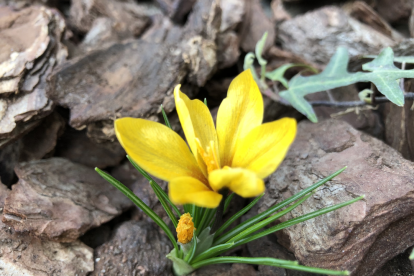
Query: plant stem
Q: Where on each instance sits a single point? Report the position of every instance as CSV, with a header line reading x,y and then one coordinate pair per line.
x,y
220,211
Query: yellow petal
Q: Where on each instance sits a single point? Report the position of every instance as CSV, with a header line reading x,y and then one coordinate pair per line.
x,y
243,182
199,130
157,149
265,147
238,114
188,190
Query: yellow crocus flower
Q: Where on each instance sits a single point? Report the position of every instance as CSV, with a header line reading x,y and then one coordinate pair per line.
x,y
238,154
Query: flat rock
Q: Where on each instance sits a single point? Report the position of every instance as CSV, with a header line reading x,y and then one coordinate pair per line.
x,y
118,81
136,248
360,237
58,200
22,255
315,35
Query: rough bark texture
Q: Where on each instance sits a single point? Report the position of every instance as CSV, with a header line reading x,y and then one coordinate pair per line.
x,y
316,35
130,17
31,47
375,170
59,200
136,248
77,147
25,255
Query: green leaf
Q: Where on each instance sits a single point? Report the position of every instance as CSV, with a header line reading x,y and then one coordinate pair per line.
x,y
248,223
259,49
297,220
383,74
192,252
278,73
406,59
267,221
180,266
212,251
238,214
155,185
227,202
412,255
164,204
137,201
167,122
266,261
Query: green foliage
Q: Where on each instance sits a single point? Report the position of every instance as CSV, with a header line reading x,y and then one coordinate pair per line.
x,y
383,73
412,255
278,73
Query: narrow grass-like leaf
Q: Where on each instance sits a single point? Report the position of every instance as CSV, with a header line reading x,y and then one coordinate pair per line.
x,y
297,220
191,254
238,214
137,201
243,260
212,251
412,255
278,73
139,169
164,205
188,208
383,73
267,221
250,222
205,101
167,122
259,51
155,185
227,202
204,220
267,261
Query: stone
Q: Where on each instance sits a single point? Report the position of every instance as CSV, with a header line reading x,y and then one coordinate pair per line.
x,y
313,35
255,24
226,270
32,43
131,18
58,200
398,125
394,11
177,10
366,14
75,146
118,82
43,139
360,237
31,256
136,248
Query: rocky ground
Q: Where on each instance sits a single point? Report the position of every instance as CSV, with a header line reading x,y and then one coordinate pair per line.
x,y
69,68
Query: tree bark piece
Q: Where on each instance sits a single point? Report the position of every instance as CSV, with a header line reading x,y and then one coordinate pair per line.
x,y
58,200
131,18
315,35
357,237
31,39
26,255
136,248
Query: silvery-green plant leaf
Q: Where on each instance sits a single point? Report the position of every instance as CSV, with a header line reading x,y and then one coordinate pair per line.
x,y
278,73
259,50
383,74
407,59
